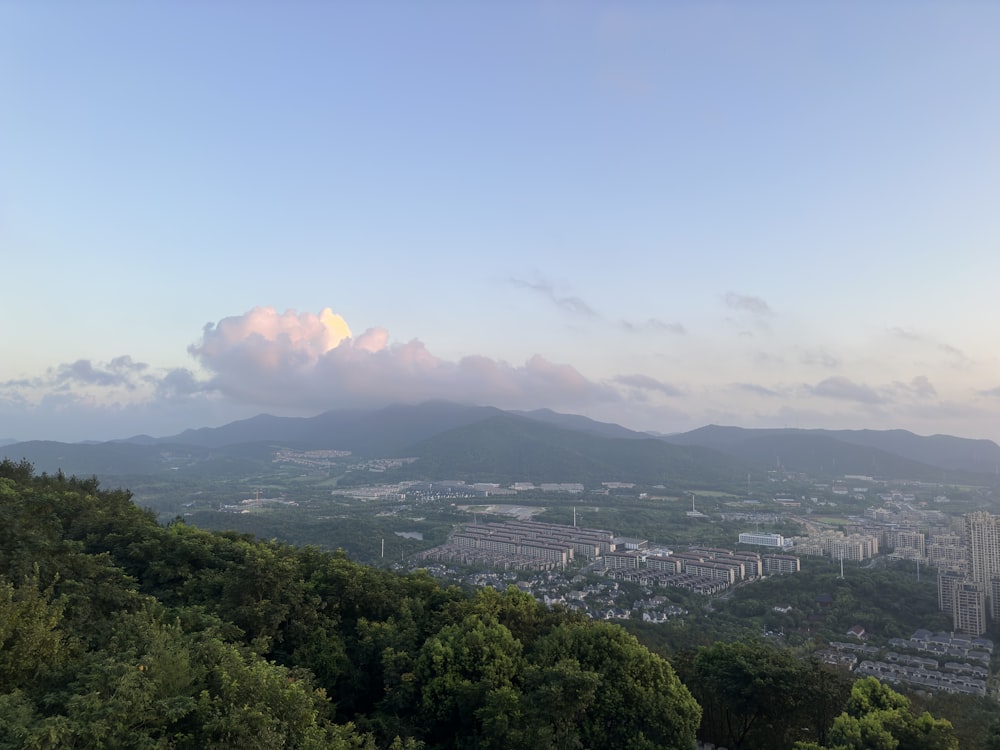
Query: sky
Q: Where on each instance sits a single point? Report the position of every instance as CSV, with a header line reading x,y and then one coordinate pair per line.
x,y
664,215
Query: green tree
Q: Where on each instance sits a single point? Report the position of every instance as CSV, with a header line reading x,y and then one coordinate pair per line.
x,y
879,718
460,670
637,701
753,695
31,639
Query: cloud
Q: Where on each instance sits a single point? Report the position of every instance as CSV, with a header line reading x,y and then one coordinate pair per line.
x,y
120,373
573,305
647,383
906,334
655,325
83,372
920,386
845,389
70,416
304,363
746,303
290,336
766,358
179,382
957,357
311,362
755,389
819,358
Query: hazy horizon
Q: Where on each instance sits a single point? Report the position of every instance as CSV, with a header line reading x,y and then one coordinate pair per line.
x,y
657,215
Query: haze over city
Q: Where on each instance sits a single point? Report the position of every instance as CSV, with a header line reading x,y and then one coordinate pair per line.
x,y
660,215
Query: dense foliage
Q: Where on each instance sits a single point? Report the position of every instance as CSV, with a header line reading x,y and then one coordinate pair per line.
x,y
118,632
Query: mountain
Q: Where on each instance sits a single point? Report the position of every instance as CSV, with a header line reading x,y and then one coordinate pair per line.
x,y
374,432
944,451
888,453
581,424
99,459
510,447
455,440
452,441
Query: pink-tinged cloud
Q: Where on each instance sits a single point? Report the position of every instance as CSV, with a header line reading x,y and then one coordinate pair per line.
x,y
312,362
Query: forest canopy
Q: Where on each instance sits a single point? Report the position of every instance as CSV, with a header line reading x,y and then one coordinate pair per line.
x,y
116,631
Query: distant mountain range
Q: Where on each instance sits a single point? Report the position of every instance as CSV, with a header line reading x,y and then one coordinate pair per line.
x,y
456,441
875,452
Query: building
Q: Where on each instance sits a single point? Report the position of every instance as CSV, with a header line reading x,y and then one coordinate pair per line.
x,y
948,581
668,564
780,564
982,542
907,539
837,546
762,540
614,560
969,608
946,550
752,566
853,547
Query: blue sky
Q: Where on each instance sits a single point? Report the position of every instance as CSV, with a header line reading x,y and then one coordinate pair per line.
x,y
658,214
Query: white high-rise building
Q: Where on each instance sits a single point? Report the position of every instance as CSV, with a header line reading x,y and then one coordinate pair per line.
x,y
982,541
969,608
762,540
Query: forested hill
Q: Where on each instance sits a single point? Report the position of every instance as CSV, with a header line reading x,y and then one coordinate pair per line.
x,y
117,632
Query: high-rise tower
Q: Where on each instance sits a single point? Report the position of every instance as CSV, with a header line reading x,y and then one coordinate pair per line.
x,y
982,540
969,608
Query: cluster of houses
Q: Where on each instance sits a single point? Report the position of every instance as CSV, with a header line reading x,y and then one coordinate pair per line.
x,y
703,570
522,545
966,669
531,545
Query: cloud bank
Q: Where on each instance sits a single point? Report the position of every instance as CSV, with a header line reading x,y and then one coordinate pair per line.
x,y
312,362
305,363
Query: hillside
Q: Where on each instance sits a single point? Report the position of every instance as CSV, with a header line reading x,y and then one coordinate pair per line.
x,y
369,432
452,441
102,459
942,451
456,441
890,453
512,448
120,633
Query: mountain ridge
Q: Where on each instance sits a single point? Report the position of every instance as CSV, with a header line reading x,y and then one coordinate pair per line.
x,y
945,452
446,434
